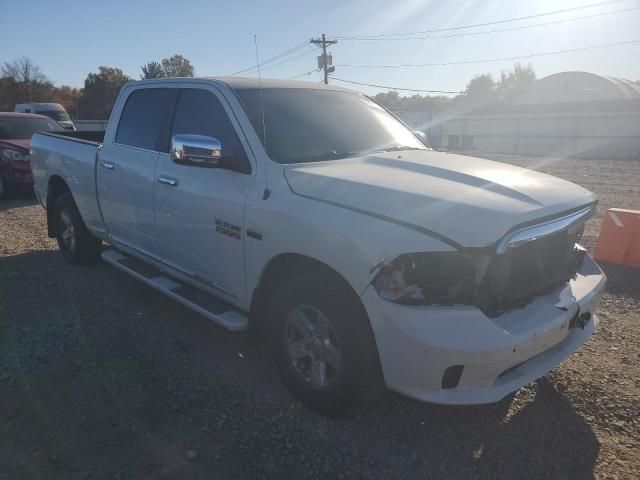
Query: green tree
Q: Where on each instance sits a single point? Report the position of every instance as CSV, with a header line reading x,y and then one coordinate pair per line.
x,y
514,81
100,92
390,100
6,99
69,98
24,82
480,92
482,87
415,103
152,70
177,66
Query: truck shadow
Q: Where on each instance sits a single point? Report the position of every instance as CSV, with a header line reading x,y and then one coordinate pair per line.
x,y
534,433
101,374
18,201
622,280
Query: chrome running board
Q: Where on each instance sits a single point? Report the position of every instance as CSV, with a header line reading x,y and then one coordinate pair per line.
x,y
205,304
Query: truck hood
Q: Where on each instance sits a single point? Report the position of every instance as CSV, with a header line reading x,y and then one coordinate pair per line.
x,y
469,201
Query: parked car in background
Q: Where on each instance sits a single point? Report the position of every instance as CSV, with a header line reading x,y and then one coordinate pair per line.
x,y
16,130
315,218
54,111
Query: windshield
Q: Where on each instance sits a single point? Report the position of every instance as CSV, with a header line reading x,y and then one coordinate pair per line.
x,y
57,115
305,125
21,128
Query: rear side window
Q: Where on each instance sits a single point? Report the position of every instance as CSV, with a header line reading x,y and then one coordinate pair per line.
x,y
199,112
145,117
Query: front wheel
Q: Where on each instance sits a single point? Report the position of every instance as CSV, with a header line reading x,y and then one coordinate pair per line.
x,y
322,342
76,243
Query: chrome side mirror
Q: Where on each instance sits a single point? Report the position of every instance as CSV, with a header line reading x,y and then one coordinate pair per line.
x,y
197,150
420,134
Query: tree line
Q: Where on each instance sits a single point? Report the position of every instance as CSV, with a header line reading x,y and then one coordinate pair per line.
x,y
22,81
482,93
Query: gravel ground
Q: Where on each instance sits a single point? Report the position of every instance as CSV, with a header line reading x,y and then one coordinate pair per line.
x,y
102,377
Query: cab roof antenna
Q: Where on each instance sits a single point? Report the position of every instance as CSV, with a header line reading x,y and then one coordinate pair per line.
x,y
267,193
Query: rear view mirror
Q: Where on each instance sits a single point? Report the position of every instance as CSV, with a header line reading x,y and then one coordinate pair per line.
x,y
197,150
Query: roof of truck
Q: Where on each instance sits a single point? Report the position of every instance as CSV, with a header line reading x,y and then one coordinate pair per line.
x,y
242,83
245,83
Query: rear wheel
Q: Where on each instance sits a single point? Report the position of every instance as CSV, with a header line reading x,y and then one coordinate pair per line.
x,y
76,243
322,342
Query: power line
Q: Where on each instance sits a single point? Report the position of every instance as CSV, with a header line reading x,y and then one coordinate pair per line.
x,y
405,36
289,51
495,22
304,74
497,30
487,60
306,52
395,88
581,89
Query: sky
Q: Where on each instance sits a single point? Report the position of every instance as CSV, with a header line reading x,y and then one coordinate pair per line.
x,y
70,39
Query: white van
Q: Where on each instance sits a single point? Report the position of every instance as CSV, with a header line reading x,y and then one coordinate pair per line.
x,y
51,110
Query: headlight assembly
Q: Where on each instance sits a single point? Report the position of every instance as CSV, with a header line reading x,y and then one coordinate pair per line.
x,y
10,154
436,278
492,282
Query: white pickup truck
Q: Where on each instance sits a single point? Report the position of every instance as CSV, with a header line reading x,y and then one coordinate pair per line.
x,y
316,219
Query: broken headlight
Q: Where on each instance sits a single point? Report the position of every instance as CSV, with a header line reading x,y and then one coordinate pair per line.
x,y
435,278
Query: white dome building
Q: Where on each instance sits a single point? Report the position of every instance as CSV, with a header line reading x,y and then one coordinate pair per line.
x,y
568,114
574,87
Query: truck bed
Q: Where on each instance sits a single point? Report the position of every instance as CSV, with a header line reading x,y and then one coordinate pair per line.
x,y
69,156
92,136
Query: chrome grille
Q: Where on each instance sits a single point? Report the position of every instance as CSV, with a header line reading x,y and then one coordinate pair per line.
x,y
529,267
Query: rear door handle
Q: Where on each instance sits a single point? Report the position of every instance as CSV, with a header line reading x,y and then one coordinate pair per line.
x,y
168,180
107,165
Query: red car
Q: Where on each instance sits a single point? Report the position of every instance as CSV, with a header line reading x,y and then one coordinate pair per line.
x,y
15,135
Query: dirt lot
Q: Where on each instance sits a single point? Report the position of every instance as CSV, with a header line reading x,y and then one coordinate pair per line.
x,y
104,378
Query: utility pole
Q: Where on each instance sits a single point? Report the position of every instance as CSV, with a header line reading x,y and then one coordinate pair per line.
x,y
325,61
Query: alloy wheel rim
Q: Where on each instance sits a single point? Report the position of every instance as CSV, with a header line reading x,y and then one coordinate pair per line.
x,y
67,233
312,346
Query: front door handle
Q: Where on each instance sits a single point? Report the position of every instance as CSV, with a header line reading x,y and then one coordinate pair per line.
x,y
107,165
168,180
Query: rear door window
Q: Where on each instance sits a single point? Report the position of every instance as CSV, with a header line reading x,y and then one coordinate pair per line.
x,y
145,117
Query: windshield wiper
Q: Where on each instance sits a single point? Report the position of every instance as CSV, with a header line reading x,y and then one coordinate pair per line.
x,y
330,155
398,148
336,155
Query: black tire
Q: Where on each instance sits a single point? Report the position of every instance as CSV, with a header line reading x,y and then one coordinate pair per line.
x,y
77,245
359,367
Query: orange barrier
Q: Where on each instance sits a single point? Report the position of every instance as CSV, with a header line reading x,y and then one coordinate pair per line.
x,y
619,240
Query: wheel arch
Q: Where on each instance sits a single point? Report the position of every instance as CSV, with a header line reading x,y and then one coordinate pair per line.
x,y
281,268
56,186
285,266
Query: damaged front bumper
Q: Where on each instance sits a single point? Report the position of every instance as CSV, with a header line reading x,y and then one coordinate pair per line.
x,y
459,355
